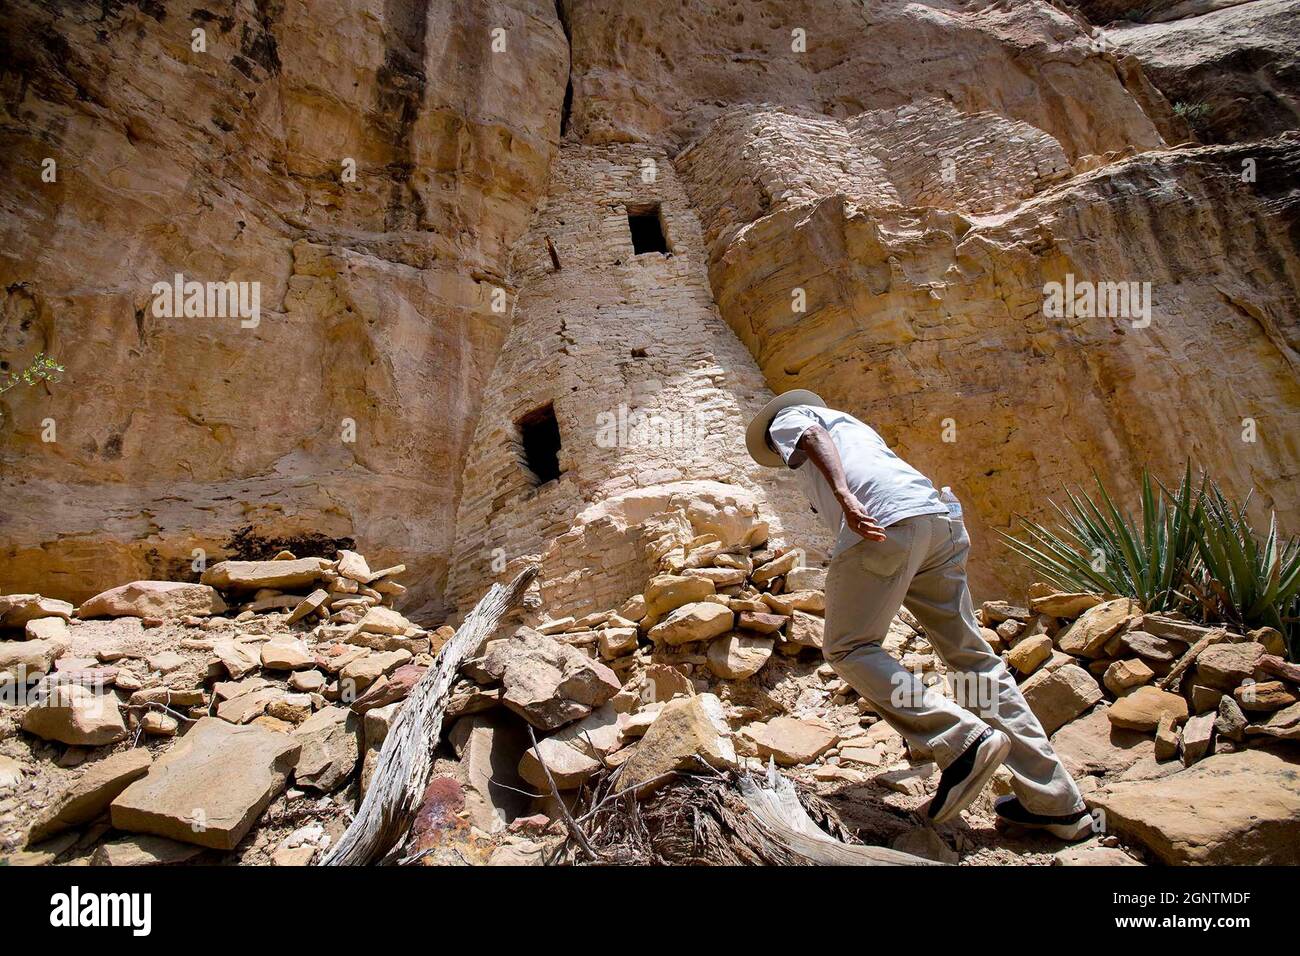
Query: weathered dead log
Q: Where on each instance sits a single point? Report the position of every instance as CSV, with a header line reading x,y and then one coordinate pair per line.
x,y
1173,680
406,758
723,820
775,804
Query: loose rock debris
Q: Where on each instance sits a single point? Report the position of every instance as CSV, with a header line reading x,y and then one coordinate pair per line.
x,y
243,718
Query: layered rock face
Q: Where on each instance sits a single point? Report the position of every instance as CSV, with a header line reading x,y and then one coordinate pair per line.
x,y
1232,70
368,164
930,322
870,200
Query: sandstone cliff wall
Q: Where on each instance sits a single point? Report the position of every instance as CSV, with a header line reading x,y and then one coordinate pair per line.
x,y
919,170
229,164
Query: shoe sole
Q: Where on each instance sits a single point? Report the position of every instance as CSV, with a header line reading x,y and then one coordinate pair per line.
x,y
987,760
1069,832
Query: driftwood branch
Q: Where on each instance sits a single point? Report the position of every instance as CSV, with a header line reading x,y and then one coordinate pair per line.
x,y
1173,680
406,758
775,805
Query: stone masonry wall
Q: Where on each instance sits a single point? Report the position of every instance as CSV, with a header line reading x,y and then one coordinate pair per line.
x,y
608,337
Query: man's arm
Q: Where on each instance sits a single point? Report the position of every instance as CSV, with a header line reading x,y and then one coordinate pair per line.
x,y
816,443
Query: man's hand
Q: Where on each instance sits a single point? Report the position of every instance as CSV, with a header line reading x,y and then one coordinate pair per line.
x,y
856,517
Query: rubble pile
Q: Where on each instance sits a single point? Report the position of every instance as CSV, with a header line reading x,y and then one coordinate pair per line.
x,y
279,680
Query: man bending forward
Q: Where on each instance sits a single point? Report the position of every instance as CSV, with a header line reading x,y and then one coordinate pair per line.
x,y
897,543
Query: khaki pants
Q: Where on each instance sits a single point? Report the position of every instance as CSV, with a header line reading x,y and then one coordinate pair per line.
x,y
922,564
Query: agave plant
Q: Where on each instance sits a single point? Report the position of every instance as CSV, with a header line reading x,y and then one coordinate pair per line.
x,y
1099,547
1247,581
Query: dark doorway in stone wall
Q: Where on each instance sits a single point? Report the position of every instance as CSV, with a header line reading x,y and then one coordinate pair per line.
x,y
647,227
539,433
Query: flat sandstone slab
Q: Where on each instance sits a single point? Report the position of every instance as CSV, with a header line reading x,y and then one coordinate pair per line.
x,y
1241,808
211,787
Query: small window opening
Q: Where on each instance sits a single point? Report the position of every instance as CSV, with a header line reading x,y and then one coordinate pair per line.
x,y
647,227
639,353
540,434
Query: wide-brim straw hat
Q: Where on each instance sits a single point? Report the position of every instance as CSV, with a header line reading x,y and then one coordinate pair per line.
x,y
756,433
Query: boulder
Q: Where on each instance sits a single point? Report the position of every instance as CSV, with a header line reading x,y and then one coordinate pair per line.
x,y
546,682
1089,633
1067,604
359,674
791,741
309,605
1173,628
1264,697
47,629
490,746
144,850
721,577
211,787
792,601
1205,698
1230,721
737,656
1030,653
805,579
663,682
1197,738
997,612
17,609
239,658
1093,854
330,741
1241,808
91,793
1059,695
693,622
760,622
11,773
615,642
806,630
1167,737
248,576
925,843
764,574
157,599
27,660
1228,665
1143,708
293,709
1282,725
385,621
286,653
688,733
574,753
375,726
353,565
667,592
1092,744
73,714
1149,647
246,707
1122,676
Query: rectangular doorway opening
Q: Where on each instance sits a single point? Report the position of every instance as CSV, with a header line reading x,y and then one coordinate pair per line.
x,y
539,433
647,226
